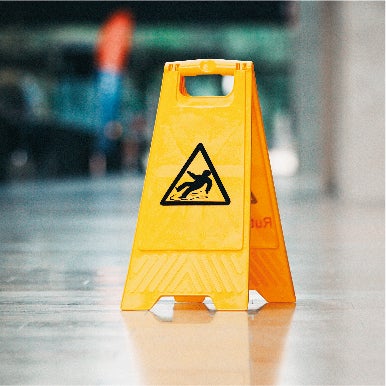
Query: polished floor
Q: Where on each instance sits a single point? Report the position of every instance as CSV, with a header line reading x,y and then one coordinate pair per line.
x,y
64,253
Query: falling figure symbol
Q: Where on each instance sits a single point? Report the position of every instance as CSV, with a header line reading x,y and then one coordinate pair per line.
x,y
189,188
199,181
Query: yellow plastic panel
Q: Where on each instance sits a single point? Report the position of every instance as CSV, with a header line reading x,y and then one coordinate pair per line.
x,y
194,135
269,271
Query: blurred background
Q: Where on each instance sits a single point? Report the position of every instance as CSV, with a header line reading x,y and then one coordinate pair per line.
x,y
76,100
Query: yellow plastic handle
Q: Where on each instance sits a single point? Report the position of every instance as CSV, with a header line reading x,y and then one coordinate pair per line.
x,y
207,67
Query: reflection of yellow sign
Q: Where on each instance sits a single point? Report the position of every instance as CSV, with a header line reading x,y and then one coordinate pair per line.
x,y
209,352
208,223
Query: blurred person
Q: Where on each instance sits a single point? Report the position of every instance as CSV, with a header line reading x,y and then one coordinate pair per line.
x,y
112,49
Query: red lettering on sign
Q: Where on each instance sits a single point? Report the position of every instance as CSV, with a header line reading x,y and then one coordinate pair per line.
x,y
265,222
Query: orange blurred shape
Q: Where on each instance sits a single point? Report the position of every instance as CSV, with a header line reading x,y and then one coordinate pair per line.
x,y
115,41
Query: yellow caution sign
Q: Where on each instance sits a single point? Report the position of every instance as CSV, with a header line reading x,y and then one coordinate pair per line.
x,y
208,223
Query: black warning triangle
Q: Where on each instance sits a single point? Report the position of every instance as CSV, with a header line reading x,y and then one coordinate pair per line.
x,y
199,181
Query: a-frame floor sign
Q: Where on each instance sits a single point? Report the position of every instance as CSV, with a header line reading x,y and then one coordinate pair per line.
x,y
208,223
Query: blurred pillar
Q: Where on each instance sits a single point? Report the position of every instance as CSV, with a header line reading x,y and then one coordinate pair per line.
x,y
354,94
339,84
307,86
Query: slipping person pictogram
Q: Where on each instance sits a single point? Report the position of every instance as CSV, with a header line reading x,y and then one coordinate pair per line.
x,y
199,181
206,188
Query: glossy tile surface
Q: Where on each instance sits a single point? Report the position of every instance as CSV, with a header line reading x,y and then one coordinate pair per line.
x,y
65,248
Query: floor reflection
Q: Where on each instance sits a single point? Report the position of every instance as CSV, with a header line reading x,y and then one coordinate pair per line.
x,y
186,343
268,328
